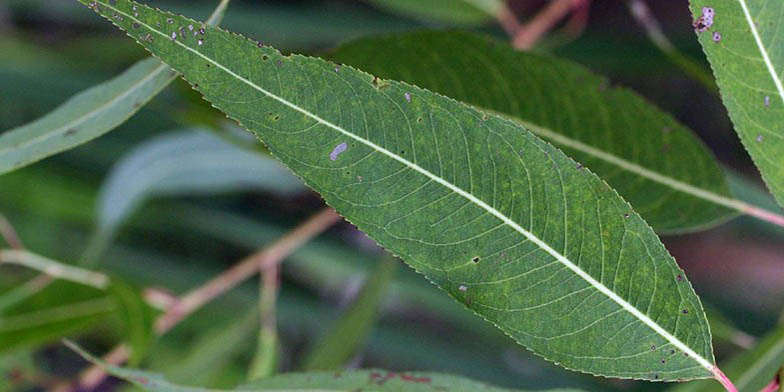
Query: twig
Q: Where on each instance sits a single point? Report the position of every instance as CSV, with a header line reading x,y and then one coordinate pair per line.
x,y
507,20
9,234
53,268
193,300
642,14
529,33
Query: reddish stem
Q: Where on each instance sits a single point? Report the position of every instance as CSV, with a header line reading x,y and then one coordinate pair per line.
x,y
724,380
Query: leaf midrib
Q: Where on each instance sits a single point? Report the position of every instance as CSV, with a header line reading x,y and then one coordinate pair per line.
x,y
761,47
531,237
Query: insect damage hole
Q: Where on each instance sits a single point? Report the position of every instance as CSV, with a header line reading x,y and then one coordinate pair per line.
x,y
475,259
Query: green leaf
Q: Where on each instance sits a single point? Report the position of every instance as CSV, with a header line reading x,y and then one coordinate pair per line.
x,y
499,219
751,370
637,148
90,113
63,308
350,331
462,12
181,163
136,316
368,380
186,163
743,46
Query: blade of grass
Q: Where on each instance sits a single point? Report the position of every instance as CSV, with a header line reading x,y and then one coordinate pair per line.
x,y
349,333
265,361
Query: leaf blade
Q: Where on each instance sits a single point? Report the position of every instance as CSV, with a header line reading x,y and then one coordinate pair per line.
x,y
89,114
635,147
740,46
412,199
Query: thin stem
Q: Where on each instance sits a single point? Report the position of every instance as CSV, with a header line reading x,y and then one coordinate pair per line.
x,y
507,20
9,234
53,268
527,35
193,300
724,380
642,14
246,268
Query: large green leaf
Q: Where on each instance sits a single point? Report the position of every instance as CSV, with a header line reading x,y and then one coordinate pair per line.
x,y
638,149
743,44
501,220
463,12
365,380
90,113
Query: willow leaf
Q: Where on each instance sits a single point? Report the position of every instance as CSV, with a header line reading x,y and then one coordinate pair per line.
x,y
462,12
89,114
366,380
637,148
498,218
742,41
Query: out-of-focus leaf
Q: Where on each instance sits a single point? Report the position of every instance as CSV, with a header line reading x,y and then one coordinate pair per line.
x,y
462,12
742,41
136,317
377,380
349,333
62,309
472,200
635,147
181,163
17,370
211,351
89,114
751,370
186,163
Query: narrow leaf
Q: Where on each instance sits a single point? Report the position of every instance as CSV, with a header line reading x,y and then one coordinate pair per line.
x,y
637,148
373,380
136,316
462,12
90,113
742,41
501,220
186,163
350,331
61,309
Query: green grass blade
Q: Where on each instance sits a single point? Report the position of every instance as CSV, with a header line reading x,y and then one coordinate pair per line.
x,y
743,45
90,113
460,12
637,148
502,221
350,331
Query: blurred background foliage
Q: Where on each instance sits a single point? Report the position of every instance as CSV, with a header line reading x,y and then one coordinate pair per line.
x,y
173,233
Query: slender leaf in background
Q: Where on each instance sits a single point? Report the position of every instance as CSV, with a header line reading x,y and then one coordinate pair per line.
x,y
265,361
369,380
751,370
501,220
743,45
136,316
461,12
64,308
186,162
214,348
346,337
89,114
635,147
